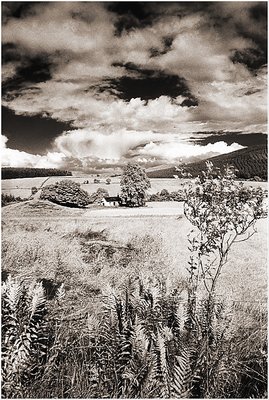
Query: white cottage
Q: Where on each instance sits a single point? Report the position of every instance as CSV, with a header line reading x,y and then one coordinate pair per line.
x,y
111,201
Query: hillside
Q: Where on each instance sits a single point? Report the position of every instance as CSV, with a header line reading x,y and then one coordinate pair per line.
x,y
251,162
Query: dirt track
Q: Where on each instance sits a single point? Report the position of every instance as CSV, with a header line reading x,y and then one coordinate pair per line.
x,y
47,211
152,209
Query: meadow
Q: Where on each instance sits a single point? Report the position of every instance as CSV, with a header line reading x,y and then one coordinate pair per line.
x,y
21,187
124,271
41,227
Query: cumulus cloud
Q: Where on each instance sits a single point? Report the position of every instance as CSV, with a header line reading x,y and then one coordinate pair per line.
x,y
87,144
176,151
16,158
65,102
85,148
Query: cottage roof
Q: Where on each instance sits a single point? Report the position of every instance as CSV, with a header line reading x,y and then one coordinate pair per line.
x,y
112,198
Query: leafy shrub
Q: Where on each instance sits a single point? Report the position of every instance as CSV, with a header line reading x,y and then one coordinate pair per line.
x,y
223,212
146,337
66,193
34,190
9,198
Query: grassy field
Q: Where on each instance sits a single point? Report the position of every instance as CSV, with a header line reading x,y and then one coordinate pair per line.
x,y
22,186
44,228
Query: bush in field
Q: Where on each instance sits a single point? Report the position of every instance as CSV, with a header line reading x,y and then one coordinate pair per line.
x,y
163,347
9,198
34,190
97,196
134,183
66,193
223,212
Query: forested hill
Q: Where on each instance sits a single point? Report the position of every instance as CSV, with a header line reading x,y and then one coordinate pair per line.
x,y
251,163
12,172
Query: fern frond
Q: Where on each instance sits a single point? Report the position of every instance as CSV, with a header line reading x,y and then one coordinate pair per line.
x,y
182,374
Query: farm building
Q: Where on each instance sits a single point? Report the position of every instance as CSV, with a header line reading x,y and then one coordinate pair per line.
x,y
111,201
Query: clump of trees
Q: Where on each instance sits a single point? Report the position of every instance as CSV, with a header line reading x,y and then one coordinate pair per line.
x,y
66,193
165,195
97,196
14,172
134,184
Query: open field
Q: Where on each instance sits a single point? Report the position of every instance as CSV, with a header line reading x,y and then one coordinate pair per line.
x,y
21,187
244,276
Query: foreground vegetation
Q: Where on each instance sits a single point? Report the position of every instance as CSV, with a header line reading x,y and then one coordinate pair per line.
x,y
119,327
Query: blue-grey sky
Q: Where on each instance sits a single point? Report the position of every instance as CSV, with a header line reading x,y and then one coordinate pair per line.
x,y
88,84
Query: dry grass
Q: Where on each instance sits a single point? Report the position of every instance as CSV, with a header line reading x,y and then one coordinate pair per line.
x,y
39,246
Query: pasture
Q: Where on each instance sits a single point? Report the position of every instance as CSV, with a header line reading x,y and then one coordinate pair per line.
x,y
47,226
21,187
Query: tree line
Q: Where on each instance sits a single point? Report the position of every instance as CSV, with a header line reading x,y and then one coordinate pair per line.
x,y
14,172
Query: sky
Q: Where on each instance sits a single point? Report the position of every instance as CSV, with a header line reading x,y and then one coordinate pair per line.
x,y
92,85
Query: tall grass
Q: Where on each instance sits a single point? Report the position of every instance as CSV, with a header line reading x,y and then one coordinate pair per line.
x,y
142,343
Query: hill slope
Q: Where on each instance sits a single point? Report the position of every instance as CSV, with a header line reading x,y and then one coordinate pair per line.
x,y
250,162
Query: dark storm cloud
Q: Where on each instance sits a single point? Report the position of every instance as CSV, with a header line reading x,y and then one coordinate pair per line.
x,y
33,134
230,138
252,58
16,9
10,53
30,71
167,42
148,84
256,30
132,15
